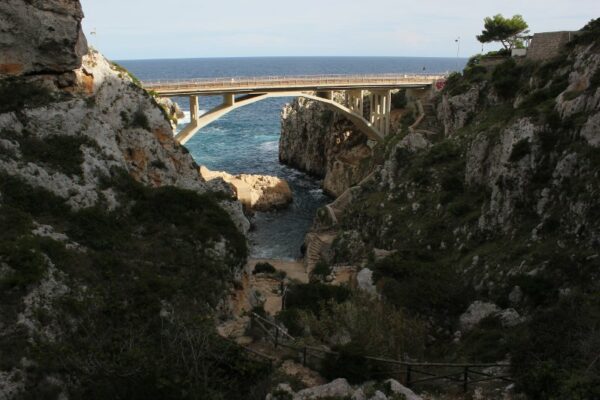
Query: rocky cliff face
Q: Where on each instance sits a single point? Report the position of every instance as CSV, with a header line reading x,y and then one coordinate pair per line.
x,y
41,36
500,212
321,142
114,252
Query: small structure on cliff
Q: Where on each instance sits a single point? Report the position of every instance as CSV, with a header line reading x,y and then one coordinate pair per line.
x,y
547,45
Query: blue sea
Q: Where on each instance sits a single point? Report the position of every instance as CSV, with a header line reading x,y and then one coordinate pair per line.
x,y
247,139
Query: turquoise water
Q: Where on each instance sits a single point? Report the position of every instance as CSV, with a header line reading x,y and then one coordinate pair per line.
x,y
246,140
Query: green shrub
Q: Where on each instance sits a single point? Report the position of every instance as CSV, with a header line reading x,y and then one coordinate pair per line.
x,y
19,93
520,150
264,268
456,84
588,34
399,99
311,296
292,320
60,152
506,77
140,120
487,342
321,270
415,282
24,255
408,118
350,363
552,354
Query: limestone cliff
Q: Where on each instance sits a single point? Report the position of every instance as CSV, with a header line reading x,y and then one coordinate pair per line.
x,y
323,143
496,219
114,252
40,36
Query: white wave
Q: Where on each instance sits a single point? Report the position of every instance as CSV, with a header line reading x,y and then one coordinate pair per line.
x,y
270,146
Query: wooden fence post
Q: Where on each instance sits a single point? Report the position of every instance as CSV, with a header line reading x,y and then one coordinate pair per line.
x,y
304,356
276,337
408,376
466,379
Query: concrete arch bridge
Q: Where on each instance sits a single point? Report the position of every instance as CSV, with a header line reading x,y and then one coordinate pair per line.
x,y
239,92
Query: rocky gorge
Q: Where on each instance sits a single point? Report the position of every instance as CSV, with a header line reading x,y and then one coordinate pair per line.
x,y
470,234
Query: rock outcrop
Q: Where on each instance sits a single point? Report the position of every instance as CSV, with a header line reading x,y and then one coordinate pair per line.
x,y
323,143
40,36
341,389
255,192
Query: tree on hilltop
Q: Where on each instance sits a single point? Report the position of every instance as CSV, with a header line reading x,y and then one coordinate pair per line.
x,y
507,31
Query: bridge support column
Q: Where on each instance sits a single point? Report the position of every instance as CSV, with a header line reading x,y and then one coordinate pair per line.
x,y
327,94
354,99
381,107
229,99
194,109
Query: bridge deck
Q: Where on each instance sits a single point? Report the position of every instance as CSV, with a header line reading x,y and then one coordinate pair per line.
x,y
266,84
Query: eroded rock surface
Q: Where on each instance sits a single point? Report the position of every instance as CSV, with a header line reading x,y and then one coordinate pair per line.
x,y
255,192
40,36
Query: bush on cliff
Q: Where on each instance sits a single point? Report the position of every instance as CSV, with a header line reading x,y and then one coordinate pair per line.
x,y
135,319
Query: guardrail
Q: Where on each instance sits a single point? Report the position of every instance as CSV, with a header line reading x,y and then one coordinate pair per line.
x,y
408,372
284,81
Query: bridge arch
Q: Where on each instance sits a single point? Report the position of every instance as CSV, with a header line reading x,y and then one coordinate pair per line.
x,y
231,103
253,89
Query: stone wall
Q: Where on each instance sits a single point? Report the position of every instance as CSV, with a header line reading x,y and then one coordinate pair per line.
x,y
547,45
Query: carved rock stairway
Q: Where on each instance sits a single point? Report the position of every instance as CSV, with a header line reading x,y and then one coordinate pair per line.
x,y
317,243
429,124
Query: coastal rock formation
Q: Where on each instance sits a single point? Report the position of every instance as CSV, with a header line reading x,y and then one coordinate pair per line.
x,y
255,192
40,36
112,245
493,224
323,143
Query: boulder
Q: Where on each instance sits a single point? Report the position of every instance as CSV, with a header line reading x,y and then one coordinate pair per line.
x,y
477,311
364,280
397,388
337,388
255,192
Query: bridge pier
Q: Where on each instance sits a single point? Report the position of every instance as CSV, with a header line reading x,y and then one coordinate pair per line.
x,y
228,99
354,99
381,108
194,109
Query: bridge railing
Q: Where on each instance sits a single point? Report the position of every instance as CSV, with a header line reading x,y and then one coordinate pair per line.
x,y
292,80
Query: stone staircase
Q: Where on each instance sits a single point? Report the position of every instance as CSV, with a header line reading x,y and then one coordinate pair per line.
x,y
317,244
428,124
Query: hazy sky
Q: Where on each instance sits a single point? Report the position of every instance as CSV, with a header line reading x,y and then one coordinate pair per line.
x,y
138,29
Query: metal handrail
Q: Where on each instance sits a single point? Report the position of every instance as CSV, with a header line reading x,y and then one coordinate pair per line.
x,y
241,81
